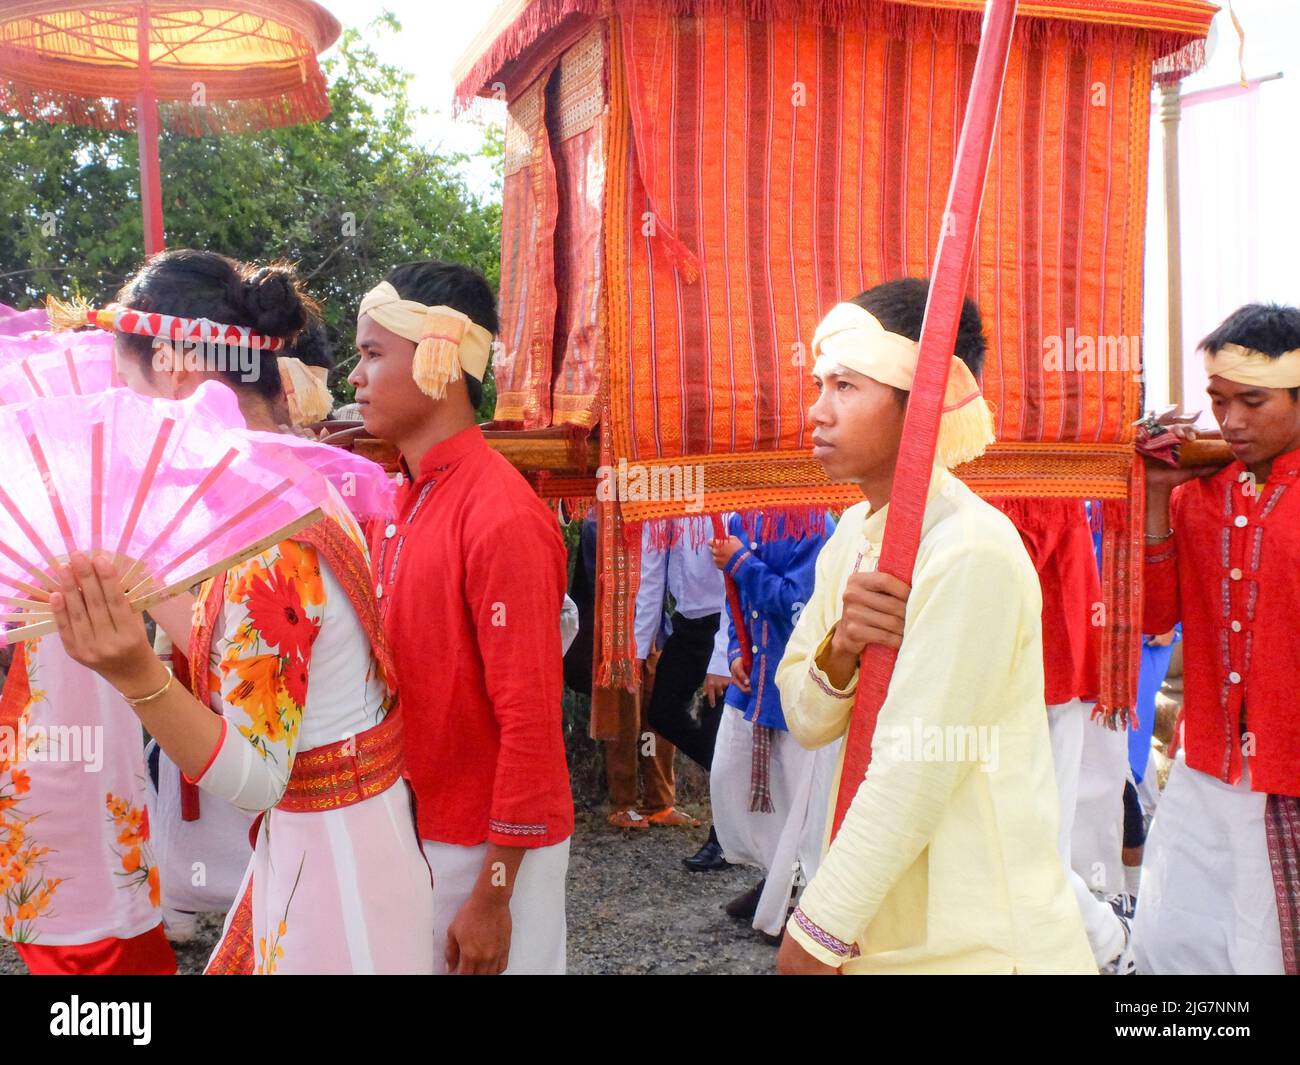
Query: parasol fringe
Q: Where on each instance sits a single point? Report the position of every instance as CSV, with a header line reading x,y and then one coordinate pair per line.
x,y
308,102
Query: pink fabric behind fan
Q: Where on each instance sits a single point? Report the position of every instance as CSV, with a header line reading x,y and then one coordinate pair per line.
x,y
13,321
55,364
167,484
366,488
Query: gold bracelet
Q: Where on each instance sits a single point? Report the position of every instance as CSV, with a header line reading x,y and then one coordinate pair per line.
x,y
1159,539
156,695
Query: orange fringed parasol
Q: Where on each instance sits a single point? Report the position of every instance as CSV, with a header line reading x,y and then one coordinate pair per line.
x,y
194,69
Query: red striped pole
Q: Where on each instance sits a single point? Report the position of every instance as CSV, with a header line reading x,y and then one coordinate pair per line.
x,y
924,407
734,608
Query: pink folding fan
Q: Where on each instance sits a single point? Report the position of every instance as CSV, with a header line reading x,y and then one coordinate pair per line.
x,y
41,365
38,365
166,486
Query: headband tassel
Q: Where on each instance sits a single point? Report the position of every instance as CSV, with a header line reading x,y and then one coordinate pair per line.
x,y
74,314
437,364
437,355
965,433
306,391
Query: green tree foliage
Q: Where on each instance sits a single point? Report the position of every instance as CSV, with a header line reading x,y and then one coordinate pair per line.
x,y
343,199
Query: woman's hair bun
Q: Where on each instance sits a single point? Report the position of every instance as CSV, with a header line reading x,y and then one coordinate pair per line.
x,y
271,301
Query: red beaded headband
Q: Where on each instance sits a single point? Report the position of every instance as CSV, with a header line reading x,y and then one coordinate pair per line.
x,y
152,324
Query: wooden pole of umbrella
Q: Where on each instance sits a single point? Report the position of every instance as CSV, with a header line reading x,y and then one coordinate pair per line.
x,y
924,408
146,113
72,61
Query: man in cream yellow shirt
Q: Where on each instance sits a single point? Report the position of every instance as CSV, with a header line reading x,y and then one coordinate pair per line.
x,y
947,860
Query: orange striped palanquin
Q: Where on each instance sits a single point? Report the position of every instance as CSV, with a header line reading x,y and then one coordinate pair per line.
x,y
764,159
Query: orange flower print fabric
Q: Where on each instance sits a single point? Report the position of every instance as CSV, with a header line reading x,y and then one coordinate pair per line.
x,y
26,893
131,824
272,614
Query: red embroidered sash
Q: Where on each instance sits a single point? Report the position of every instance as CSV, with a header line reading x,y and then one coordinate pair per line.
x,y
1282,829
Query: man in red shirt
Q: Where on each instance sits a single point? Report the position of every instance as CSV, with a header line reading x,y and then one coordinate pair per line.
x,y
470,578
1219,890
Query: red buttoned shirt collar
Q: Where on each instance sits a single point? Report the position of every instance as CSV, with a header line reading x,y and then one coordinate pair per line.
x,y
1231,574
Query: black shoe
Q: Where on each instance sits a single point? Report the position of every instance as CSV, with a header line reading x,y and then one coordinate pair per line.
x,y
743,907
707,858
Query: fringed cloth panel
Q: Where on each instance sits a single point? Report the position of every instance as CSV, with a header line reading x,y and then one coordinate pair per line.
x,y
552,225
618,579
520,29
580,123
529,210
790,167
213,69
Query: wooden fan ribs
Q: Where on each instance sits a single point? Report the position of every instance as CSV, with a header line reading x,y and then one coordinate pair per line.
x,y
221,529
72,372
146,499
31,377
147,476
182,512
96,486
51,491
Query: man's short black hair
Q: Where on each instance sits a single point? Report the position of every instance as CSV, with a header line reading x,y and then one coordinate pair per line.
x,y
435,283
1269,328
1272,329
899,306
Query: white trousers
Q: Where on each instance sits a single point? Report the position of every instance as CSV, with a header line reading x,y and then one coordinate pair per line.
x,y
538,935
786,844
1097,839
1068,723
1206,904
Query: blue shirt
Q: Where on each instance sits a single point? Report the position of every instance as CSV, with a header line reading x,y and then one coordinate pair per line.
x,y
774,579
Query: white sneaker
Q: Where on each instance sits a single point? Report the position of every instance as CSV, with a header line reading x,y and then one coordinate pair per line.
x,y
1123,964
1124,903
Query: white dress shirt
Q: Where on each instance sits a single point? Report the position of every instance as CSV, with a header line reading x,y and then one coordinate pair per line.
x,y
689,574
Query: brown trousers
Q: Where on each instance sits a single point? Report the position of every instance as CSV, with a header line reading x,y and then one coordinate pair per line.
x,y
627,753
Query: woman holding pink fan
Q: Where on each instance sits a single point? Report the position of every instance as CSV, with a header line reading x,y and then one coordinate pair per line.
x,y
80,889
286,647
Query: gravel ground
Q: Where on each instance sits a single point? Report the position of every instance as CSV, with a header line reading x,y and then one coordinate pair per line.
x,y
632,908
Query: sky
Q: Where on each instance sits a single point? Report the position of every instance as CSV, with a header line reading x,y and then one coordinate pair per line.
x,y
434,34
